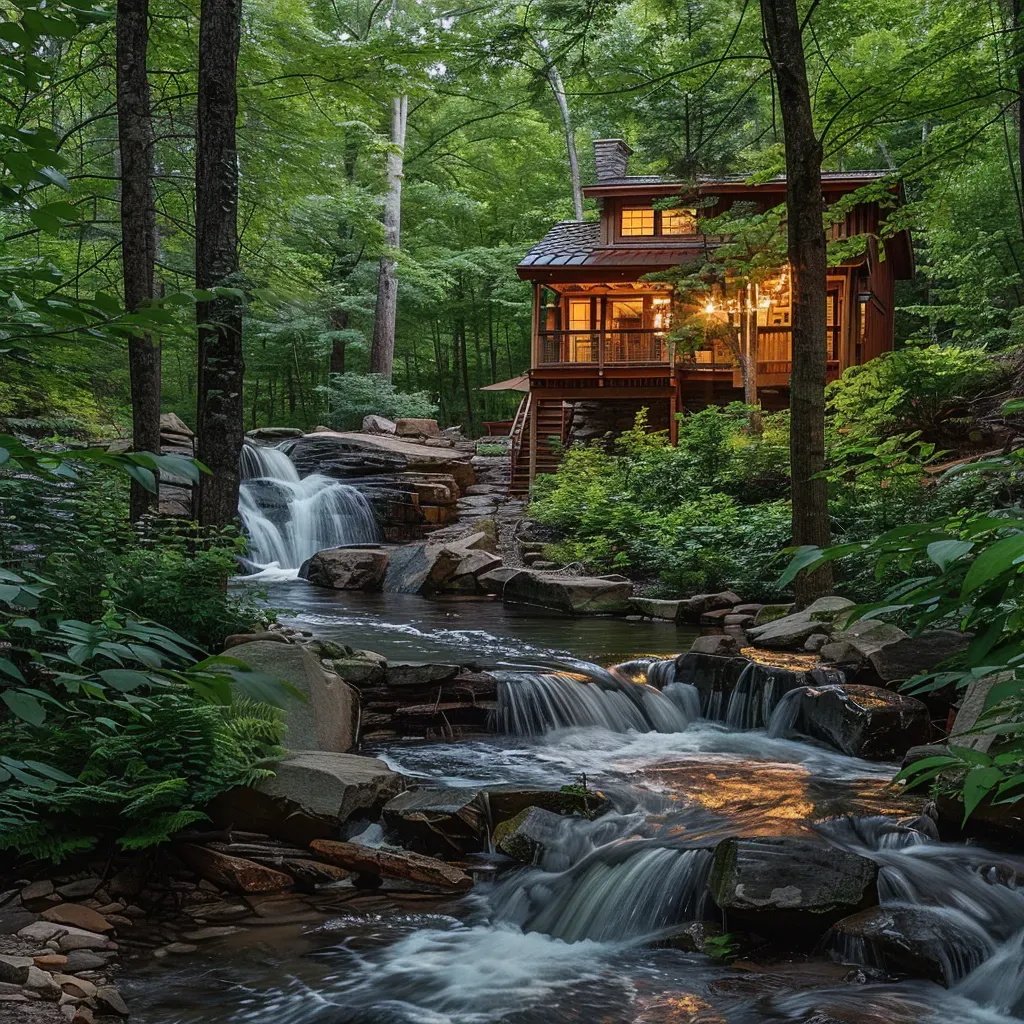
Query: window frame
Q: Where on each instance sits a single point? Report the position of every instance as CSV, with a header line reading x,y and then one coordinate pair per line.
x,y
624,208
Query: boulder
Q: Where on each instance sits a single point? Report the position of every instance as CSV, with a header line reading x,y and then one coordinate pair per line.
x,y
493,581
815,642
379,863
717,644
410,427
865,721
328,720
274,433
361,668
236,874
418,674
508,799
310,795
859,640
237,639
572,595
77,916
439,820
692,608
899,661
526,836
906,940
793,630
771,612
655,609
348,568
789,884
475,564
972,707
374,424
14,969
421,569
172,423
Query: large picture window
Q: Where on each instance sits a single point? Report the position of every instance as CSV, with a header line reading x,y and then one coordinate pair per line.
x,y
679,222
637,222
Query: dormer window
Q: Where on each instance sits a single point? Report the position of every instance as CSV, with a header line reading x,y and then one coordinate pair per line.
x,y
679,222
637,222
646,222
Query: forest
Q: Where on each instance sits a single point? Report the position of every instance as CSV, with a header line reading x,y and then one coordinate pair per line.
x,y
301,623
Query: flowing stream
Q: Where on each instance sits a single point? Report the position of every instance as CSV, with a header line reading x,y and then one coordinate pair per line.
x,y
581,936
288,519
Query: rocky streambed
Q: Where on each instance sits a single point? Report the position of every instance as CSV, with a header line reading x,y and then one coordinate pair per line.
x,y
544,838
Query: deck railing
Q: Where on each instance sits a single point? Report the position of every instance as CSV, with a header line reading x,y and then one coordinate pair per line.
x,y
603,348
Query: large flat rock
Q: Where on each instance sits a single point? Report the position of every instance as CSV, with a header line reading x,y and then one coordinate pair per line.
x,y
410,867
393,449
572,595
310,795
329,717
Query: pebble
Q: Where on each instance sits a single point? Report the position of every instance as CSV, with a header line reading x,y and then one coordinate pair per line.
x,y
181,947
214,931
116,907
78,916
76,890
43,983
108,997
40,931
74,986
49,961
37,890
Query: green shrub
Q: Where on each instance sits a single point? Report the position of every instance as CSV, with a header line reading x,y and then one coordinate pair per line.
x,y
915,389
355,395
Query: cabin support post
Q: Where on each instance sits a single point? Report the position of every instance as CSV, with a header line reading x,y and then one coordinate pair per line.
x,y
673,423
535,326
533,442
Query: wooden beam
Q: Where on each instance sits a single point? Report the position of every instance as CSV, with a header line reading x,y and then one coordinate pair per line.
x,y
533,440
608,393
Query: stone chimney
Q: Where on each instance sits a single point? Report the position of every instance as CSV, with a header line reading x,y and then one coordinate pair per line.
x,y
611,157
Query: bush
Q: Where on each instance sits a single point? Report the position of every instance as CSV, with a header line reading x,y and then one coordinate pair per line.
x,y
915,389
351,396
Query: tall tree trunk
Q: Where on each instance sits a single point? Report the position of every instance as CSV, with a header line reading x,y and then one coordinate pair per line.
x,y
808,260
138,228
221,366
558,88
382,349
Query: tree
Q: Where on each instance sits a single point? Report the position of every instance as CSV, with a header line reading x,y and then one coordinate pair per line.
x,y
382,351
138,228
221,366
808,260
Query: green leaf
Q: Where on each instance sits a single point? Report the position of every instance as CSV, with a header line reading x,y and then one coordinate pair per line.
x,y
943,552
992,562
978,784
124,679
25,706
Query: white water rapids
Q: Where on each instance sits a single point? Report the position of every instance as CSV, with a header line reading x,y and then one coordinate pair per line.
x,y
288,519
575,938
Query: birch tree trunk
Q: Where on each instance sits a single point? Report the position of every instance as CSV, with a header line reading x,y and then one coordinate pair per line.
x,y
138,228
221,366
558,88
808,260
382,349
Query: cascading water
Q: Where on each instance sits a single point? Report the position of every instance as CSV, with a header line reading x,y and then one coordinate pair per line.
x,y
533,703
288,519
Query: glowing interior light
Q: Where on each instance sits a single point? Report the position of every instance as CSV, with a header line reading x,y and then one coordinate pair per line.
x,y
710,307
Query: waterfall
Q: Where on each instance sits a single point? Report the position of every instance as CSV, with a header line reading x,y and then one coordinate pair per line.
x,y
969,901
623,891
287,518
533,703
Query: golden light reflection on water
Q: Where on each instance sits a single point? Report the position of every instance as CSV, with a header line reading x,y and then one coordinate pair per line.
x,y
778,659
776,799
682,1008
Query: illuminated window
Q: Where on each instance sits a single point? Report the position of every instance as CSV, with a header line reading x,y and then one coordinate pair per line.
x,y
638,222
679,222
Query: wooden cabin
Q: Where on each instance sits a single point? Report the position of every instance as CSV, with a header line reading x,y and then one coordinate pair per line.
x,y
601,347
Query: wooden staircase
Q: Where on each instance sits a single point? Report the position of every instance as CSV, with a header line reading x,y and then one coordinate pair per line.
x,y
551,428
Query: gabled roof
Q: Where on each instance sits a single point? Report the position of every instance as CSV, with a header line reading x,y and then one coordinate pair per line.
x,y
568,243
631,184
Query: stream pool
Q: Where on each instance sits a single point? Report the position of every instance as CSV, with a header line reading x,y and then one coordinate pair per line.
x,y
575,939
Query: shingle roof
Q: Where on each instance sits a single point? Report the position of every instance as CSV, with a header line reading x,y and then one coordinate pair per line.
x,y
568,243
726,179
572,243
